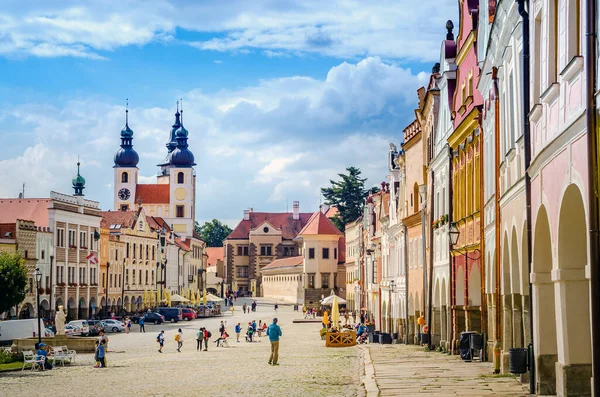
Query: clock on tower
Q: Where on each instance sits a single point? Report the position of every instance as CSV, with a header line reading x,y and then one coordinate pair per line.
x,y
124,194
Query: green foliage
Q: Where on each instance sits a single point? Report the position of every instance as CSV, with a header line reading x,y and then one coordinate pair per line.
x,y
13,280
213,232
9,357
347,194
322,332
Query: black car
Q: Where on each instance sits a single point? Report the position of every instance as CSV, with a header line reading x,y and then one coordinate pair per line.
x,y
172,314
154,318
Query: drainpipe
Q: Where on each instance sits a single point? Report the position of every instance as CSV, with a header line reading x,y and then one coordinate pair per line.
x,y
406,281
590,69
430,291
498,336
451,290
527,158
482,244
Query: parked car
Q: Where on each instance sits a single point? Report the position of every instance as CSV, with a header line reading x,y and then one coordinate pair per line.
x,y
48,332
16,329
112,325
82,325
72,330
153,318
188,314
95,327
172,314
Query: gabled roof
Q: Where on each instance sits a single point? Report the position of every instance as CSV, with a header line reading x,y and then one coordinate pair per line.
x,y
285,262
215,254
319,224
281,220
31,209
124,218
184,245
153,193
157,223
332,212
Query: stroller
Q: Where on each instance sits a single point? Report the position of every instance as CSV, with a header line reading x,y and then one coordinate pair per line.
x,y
362,339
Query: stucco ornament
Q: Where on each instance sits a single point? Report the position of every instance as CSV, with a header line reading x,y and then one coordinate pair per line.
x,y
59,321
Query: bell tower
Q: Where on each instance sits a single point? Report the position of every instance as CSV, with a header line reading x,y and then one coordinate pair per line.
x,y
125,170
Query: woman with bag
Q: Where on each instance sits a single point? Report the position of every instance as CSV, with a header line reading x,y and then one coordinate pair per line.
x,y
179,339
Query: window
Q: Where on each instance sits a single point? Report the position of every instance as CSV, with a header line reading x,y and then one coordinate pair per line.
x,y
180,177
82,239
325,253
72,239
127,250
153,249
288,251
110,284
104,280
124,207
180,211
127,276
325,280
266,250
43,254
124,177
116,255
242,272
335,253
311,280
147,251
311,253
133,277
140,274
146,277
133,250
26,254
242,250
152,279
30,285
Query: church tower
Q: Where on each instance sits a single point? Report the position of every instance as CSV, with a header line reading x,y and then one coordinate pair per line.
x,y
182,181
125,170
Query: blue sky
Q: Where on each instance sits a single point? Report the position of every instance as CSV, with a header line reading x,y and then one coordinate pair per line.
x,y
279,96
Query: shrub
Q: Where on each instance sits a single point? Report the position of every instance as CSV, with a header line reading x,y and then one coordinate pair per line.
x,y
9,357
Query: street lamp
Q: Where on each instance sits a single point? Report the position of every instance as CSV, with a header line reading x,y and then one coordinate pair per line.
x,y
454,234
38,278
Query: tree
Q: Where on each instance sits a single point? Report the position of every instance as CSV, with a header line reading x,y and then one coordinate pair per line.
x,y
213,232
348,195
13,280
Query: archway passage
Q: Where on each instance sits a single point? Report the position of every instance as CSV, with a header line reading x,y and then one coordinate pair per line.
x,y
436,323
545,346
517,301
45,309
83,309
92,308
26,311
71,309
571,287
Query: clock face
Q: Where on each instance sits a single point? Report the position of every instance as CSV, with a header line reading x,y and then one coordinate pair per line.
x,y
124,194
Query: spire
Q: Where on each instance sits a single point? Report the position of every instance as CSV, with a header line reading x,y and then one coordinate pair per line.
x,y
126,156
181,156
78,182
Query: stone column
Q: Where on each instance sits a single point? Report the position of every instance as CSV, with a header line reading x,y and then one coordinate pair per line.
x,y
436,331
544,329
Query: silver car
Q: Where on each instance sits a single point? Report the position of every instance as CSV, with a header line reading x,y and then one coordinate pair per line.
x,y
112,325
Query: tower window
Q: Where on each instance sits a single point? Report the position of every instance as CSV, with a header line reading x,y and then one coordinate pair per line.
x,y
180,211
180,177
124,207
124,177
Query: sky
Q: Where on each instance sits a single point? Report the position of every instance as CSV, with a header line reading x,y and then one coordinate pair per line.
x,y
278,96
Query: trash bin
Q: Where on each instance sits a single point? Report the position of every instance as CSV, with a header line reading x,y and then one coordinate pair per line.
x,y
517,360
464,346
374,337
424,339
385,339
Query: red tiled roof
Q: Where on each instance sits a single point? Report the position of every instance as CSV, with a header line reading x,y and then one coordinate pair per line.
x,y
320,224
30,209
157,223
281,220
215,254
153,193
285,262
124,218
331,212
8,228
185,245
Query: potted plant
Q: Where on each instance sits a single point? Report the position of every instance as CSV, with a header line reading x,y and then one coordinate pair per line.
x,y
61,284
323,332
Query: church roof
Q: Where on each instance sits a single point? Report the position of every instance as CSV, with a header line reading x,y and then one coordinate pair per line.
x,y
215,254
153,193
281,220
124,218
284,263
319,224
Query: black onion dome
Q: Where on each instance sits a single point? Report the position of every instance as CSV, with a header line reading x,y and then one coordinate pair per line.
x,y
126,157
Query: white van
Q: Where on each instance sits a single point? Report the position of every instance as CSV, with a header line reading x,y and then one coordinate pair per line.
x,y
82,325
17,329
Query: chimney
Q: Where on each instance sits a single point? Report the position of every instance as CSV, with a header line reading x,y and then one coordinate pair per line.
x,y
296,210
246,215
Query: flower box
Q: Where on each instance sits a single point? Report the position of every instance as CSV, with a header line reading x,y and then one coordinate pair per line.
x,y
61,284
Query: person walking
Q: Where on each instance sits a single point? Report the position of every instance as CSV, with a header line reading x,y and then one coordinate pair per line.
x,y
238,330
244,308
199,339
128,325
221,329
142,328
160,338
207,336
101,355
274,332
276,307
179,339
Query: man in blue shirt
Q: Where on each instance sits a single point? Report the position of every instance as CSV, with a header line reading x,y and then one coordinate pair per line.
x,y
274,332
43,351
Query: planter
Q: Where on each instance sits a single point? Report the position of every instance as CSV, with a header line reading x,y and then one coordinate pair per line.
x,y
340,339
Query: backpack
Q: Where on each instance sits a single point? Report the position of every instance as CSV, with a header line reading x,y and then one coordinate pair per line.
x,y
158,338
176,337
209,334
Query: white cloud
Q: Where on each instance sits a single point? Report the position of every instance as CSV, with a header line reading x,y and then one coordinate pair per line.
x,y
260,146
402,29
